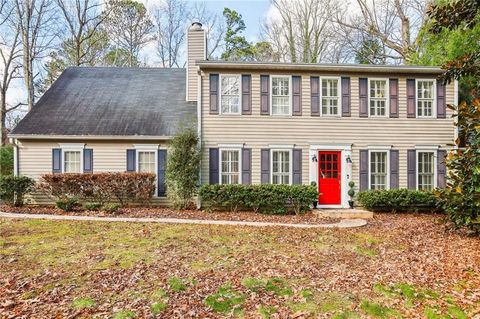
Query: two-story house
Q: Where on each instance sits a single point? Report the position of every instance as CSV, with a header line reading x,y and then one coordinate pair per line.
x,y
380,126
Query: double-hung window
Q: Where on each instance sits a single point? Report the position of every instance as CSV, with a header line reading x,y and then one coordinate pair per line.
x,y
425,170
425,98
281,166
378,94
230,97
330,96
230,166
147,162
281,95
72,161
379,170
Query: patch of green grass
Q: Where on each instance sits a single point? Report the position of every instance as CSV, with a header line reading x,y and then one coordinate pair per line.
x,y
254,284
278,286
177,284
225,299
158,307
456,312
159,294
125,314
320,303
346,315
307,294
267,311
83,303
366,251
378,311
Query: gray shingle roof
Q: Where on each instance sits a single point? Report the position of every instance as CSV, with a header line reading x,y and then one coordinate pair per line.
x,y
112,101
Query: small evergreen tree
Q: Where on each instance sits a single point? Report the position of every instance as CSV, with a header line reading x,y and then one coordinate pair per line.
x,y
183,165
6,160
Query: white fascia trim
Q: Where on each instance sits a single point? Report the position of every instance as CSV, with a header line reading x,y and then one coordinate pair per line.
x,y
234,146
89,137
334,147
427,147
72,146
281,146
239,76
434,104
379,147
146,147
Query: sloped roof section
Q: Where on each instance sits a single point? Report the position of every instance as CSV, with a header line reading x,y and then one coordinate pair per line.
x,y
103,101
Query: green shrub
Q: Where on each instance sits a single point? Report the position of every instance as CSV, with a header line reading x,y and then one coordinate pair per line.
x,y
14,188
274,199
111,208
398,200
67,204
6,160
93,206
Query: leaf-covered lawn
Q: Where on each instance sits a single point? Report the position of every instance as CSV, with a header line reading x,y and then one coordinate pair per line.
x,y
400,266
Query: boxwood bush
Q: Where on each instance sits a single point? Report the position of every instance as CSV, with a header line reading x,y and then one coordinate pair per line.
x,y
398,200
14,188
271,199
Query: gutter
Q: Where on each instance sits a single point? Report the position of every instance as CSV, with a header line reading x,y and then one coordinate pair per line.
x,y
88,137
199,128
407,69
16,166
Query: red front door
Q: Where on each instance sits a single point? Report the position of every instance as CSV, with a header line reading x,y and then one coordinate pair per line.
x,y
329,177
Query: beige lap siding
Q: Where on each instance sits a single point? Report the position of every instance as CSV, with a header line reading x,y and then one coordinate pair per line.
x,y
35,159
259,131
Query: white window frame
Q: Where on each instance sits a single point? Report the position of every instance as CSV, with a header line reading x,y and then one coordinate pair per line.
x,y
239,163
387,97
290,164
148,148
379,150
239,94
73,147
426,150
434,103
339,88
289,94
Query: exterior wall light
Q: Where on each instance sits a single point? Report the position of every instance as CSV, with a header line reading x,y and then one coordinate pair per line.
x,y
314,158
349,160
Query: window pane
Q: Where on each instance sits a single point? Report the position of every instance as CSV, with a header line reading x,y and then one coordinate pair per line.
x,y
281,167
280,96
230,94
426,168
378,170
72,162
146,162
230,167
425,97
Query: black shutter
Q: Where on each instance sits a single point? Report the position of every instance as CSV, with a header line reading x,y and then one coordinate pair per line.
x,y
393,98
441,102
131,165
412,169
246,94
88,160
315,96
441,168
363,96
213,166
297,166
346,101
297,95
411,99
246,166
363,170
264,95
265,166
56,160
214,93
162,167
394,162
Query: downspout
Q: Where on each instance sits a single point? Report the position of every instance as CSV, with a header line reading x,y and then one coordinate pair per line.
x,y
455,101
16,167
199,128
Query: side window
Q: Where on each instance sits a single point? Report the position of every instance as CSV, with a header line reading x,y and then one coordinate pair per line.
x,y
378,94
230,167
425,98
281,172
281,95
230,94
72,162
330,96
147,162
378,170
426,170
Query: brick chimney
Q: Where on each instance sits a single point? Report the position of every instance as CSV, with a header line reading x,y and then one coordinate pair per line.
x,y
196,50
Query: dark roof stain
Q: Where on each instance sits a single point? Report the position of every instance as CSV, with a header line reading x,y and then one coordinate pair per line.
x,y
112,101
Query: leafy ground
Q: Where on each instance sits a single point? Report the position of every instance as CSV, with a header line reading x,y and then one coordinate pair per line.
x,y
400,266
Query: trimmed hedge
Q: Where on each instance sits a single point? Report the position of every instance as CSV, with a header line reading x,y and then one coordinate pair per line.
x,y
125,188
14,188
398,200
271,199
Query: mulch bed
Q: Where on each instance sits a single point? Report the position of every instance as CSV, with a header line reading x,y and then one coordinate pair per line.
x,y
160,212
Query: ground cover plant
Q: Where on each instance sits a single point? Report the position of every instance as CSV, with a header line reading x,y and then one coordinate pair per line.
x,y
406,266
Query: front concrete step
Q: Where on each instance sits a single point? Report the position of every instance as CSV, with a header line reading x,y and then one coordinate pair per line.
x,y
343,213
